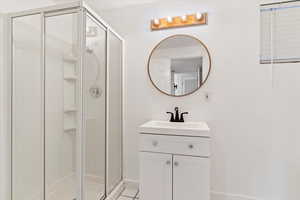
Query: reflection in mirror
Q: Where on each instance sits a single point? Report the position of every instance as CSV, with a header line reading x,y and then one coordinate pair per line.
x,y
179,65
188,78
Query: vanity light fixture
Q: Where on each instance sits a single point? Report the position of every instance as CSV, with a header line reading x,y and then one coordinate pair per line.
x,y
179,21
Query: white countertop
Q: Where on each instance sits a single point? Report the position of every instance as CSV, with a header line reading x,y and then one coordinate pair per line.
x,y
195,129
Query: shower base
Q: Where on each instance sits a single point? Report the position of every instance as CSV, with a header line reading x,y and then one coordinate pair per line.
x,y
66,189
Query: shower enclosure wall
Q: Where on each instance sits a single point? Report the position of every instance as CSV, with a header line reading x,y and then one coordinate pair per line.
x,y
66,104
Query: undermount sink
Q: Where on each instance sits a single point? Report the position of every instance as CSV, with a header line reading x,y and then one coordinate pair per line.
x,y
176,128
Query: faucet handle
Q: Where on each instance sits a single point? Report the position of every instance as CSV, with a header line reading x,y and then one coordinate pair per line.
x,y
172,116
182,116
176,108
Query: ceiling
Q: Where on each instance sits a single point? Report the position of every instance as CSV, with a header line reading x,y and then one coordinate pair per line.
x,y
111,4
17,5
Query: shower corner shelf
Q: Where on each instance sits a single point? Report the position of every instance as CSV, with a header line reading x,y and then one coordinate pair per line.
x,y
70,59
69,129
69,109
71,78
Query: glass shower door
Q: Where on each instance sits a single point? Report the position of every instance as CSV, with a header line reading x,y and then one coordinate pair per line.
x,y
94,94
27,109
62,107
114,105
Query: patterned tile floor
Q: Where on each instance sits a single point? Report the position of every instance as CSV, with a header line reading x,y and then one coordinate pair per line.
x,y
130,194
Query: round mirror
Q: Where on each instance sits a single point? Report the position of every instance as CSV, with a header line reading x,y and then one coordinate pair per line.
x,y
179,65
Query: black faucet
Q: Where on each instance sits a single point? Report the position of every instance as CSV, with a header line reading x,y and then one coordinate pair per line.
x,y
177,118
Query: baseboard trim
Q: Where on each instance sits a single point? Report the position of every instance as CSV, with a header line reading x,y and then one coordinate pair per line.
x,y
213,194
228,196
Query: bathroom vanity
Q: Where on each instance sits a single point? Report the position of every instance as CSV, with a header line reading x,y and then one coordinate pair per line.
x,y
174,161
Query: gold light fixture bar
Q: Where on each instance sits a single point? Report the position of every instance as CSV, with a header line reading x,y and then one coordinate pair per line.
x,y
179,21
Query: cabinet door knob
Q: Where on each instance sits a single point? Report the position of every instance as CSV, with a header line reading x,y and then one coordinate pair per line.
x,y
191,146
176,164
155,143
168,162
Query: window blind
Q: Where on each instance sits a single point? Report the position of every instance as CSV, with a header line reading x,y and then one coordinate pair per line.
x,y
280,32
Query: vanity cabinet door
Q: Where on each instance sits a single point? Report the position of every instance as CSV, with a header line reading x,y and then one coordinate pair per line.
x,y
191,178
156,176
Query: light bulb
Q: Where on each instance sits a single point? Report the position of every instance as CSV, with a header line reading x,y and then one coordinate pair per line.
x,y
156,22
199,16
184,18
169,19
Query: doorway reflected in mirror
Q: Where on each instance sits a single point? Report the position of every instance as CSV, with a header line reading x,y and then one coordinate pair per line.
x,y
179,65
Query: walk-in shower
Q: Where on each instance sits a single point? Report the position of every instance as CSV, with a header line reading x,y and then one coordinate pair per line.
x,y
66,104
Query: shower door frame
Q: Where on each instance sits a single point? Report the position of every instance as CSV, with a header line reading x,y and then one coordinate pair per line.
x,y
83,10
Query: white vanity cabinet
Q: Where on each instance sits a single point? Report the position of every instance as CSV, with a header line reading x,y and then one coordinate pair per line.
x,y
191,178
156,176
174,166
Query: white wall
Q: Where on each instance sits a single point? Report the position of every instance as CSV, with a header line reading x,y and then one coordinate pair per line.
x,y
254,124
